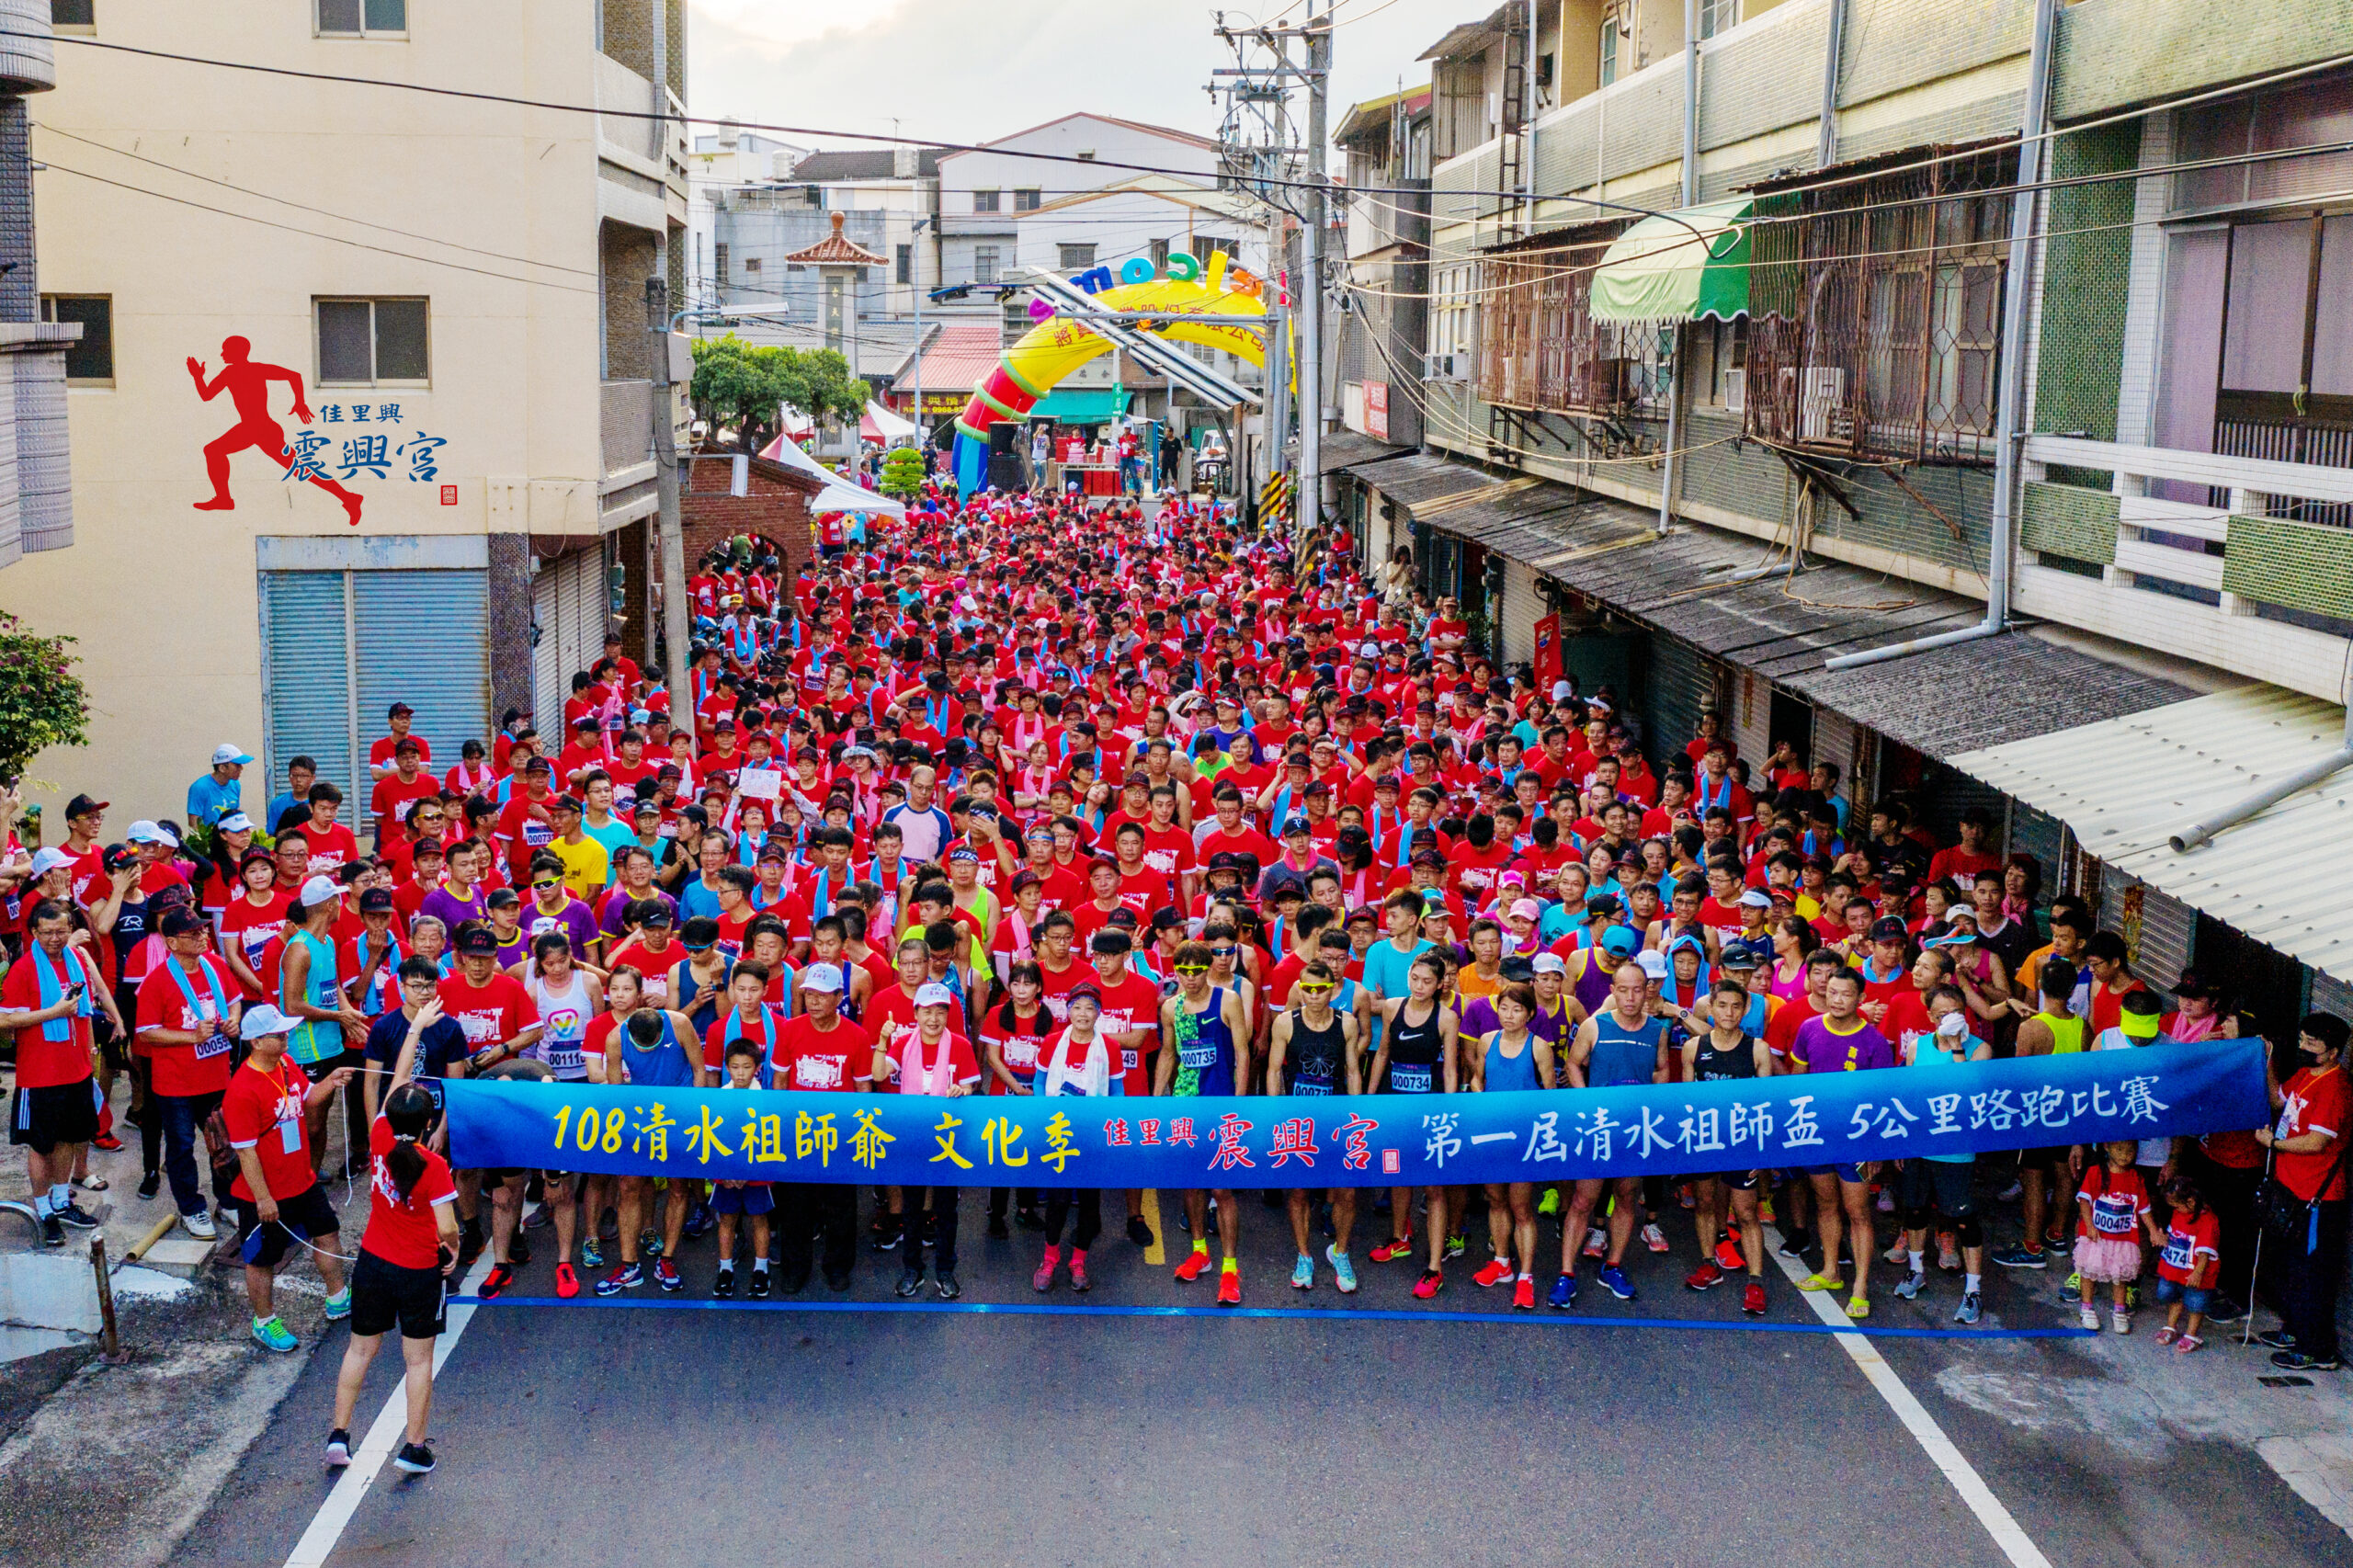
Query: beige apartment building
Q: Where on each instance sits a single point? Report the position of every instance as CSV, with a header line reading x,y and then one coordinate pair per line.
x,y
434,308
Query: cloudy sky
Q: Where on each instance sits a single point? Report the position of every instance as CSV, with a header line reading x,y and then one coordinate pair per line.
x,y
970,70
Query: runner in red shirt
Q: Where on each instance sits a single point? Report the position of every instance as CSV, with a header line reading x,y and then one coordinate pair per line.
x,y
280,1205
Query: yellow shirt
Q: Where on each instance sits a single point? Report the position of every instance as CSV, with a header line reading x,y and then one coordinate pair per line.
x,y
585,865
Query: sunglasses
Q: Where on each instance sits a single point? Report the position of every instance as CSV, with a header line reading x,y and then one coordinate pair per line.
x,y
1192,969
1315,990
1223,952
544,886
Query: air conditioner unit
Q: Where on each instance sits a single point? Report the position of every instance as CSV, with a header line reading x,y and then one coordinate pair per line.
x,y
1735,392
1822,400
1612,382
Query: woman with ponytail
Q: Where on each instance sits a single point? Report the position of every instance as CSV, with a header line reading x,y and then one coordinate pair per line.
x,y
405,1257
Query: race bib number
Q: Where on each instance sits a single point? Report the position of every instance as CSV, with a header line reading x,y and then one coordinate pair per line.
x,y
1195,1056
1408,1080
1130,1060
1021,1055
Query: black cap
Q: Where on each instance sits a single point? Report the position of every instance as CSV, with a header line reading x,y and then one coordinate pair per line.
x,y
478,942
1888,929
376,900
83,805
180,921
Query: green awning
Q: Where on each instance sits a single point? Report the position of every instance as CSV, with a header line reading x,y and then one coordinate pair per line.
x,y
1081,406
1660,270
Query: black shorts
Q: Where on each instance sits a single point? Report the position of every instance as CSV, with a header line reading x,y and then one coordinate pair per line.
x,y
1734,1181
308,1212
1945,1186
54,1114
325,1064
385,1296
2043,1159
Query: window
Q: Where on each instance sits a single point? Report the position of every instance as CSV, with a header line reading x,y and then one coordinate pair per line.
x,y
1717,17
1204,246
905,272
984,264
81,15
1074,258
358,18
1160,255
751,266
90,361
1025,200
1537,346
719,263
1608,51
985,201
369,342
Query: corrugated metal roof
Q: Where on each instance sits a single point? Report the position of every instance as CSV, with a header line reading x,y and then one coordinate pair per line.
x,y
2127,785
1975,695
1418,479
1345,448
959,357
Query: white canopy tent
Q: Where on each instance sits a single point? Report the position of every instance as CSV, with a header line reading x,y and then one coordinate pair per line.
x,y
839,495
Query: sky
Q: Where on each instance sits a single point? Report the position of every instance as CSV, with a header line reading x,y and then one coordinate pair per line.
x,y
972,70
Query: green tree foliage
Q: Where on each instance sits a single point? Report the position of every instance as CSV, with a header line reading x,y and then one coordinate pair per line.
x,y
745,385
902,474
42,702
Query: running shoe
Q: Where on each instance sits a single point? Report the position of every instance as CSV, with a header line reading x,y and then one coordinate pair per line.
x,y
1496,1271
2010,1194
1457,1244
1821,1282
1913,1284
609,1225
591,1254
2088,1316
538,1219
1550,1202
494,1283
2276,1339
1523,1295
723,1284
1969,1309
200,1225
76,1216
2020,1258
701,1220
1947,1252
1429,1285
1043,1280
1596,1242
649,1242
150,1184
2225,1310
1078,1279
2120,1321
886,1236
271,1333
2073,1290
1138,1231
1685,1198
1705,1276
1388,1251
947,1285
1303,1273
1196,1263
910,1281
2297,1361
338,1448
1795,1242
1614,1281
339,1305
1899,1253
760,1284
415,1458
1229,1287
1563,1293
1729,1255
1752,1298
1344,1272
628,1276
1654,1238
1858,1308
665,1274
108,1141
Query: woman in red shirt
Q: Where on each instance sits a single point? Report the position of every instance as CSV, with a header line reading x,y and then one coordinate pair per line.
x,y
2309,1145
405,1257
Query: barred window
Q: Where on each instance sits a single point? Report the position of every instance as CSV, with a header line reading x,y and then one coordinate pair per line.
x,y
1540,347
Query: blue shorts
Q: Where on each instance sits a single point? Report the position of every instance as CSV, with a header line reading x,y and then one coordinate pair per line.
x,y
760,1199
1852,1175
2172,1290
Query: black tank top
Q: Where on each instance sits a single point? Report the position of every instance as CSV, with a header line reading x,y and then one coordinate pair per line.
x,y
1312,1064
1710,1065
1413,1051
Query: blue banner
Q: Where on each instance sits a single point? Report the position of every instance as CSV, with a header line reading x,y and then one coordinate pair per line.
x,y
1361,1139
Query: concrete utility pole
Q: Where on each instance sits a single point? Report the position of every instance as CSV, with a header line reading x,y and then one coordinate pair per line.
x,y
1311,295
670,525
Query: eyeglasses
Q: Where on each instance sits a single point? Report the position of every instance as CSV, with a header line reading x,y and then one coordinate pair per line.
x,y
1223,952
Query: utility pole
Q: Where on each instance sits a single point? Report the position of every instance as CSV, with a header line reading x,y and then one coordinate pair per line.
x,y
670,526
1310,489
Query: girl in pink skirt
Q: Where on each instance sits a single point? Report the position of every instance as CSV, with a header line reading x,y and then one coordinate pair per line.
x,y
2114,1210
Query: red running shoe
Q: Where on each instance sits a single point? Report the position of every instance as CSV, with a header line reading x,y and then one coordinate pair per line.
x,y
1390,1251
567,1283
1229,1287
1752,1300
1498,1270
1523,1295
1703,1278
1729,1257
1078,1279
1196,1262
495,1282
1429,1285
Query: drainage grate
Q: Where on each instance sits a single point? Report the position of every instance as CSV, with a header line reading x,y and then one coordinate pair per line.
x,y
2280,1383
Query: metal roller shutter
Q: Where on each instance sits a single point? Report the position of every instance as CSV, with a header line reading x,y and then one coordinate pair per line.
x,y
2330,994
1523,607
548,681
1837,740
2039,835
569,614
2159,932
1750,721
396,614
1679,684
306,678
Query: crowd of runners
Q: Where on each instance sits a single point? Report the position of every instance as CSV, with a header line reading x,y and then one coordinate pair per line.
x,y
1019,797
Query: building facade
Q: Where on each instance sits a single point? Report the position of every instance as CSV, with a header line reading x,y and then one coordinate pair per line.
x,y
45,341
374,421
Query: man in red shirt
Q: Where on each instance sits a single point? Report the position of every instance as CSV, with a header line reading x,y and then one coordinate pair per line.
x,y
333,845
48,999
1130,1024
385,748
188,1008
395,791
279,1204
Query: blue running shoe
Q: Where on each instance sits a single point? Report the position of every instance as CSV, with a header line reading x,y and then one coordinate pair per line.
x,y
1344,1269
1563,1293
1968,1312
1303,1273
1614,1281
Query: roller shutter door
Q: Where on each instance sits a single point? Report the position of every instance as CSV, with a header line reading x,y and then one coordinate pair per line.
x,y
2159,932
2041,835
1838,740
1679,684
1523,607
306,676
568,621
1751,718
2330,994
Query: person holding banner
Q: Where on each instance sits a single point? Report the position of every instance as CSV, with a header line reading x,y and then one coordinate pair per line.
x,y
659,1049
932,1060
1315,1049
1622,1044
1513,1057
1202,1030
1078,1061
1419,1054
824,1051
1842,1040
1726,1052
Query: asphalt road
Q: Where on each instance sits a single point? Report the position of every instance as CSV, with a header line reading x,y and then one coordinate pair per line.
x,y
1666,1430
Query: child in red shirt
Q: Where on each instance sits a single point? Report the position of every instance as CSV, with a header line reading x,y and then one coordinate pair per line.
x,y
2188,1262
2114,1210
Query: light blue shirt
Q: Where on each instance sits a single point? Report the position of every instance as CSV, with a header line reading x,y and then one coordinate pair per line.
x,y
1385,967
209,800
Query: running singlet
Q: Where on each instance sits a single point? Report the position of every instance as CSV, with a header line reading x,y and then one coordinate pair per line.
x,y
1311,1065
1204,1049
1413,1051
1620,1055
1509,1073
1710,1065
662,1065
564,1015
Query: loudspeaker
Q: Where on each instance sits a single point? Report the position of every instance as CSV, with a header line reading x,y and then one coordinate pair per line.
x,y
1006,467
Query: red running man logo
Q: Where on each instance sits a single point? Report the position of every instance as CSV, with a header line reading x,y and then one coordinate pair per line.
x,y
247,384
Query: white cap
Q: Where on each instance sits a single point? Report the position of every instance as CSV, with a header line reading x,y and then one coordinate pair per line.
x,y
49,860
261,1018
1549,963
228,751
235,821
1654,963
1563,691
145,832
935,995
1758,898
822,977
319,890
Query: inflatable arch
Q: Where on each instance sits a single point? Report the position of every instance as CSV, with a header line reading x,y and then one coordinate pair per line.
x,y
1194,293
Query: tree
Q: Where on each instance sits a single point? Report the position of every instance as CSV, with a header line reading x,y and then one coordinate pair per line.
x,y
902,474
747,385
42,702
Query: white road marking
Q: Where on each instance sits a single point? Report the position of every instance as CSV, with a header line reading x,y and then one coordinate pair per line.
x,y
383,1439
1832,1309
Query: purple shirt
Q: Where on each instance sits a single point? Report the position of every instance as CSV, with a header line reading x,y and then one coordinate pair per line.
x,y
573,920
446,908
616,906
1824,1050
1479,1018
